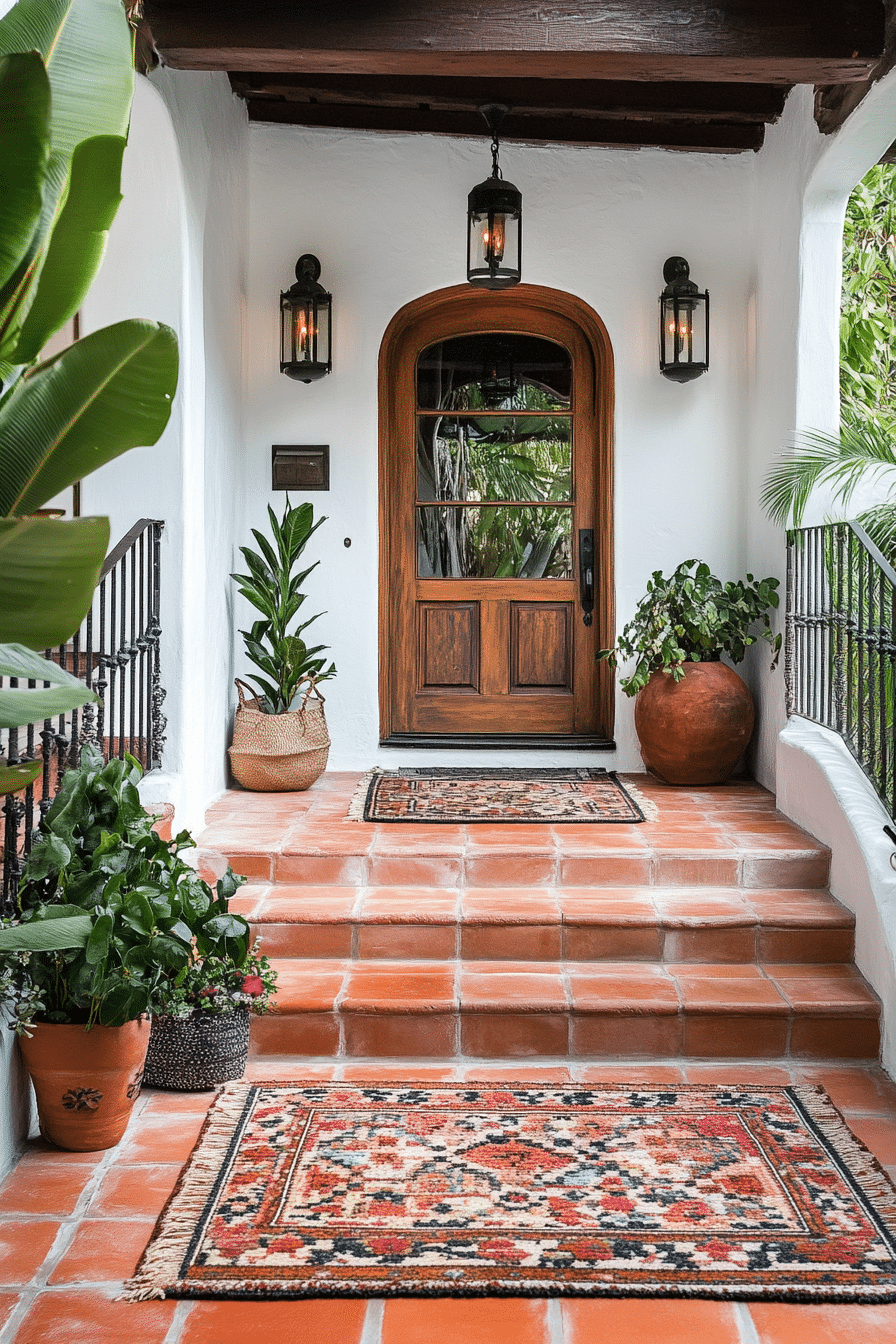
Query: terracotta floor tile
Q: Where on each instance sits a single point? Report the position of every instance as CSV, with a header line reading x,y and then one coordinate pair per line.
x,y
597,835
314,841
836,1323
612,943
24,1244
412,905
43,1188
878,1133
617,1034
412,941
649,1321
328,1321
696,870
509,1035
826,1037
308,985
632,989
710,944
282,904
44,1156
103,1250
487,989
295,1033
509,905
604,870
396,987
290,1070
647,1074
611,905
401,1035
813,945
716,971
517,942
156,1101
502,869
328,941
82,1317
520,1073
249,865
786,870
448,1320
827,994
137,1192
738,994
397,1073
157,1139
738,1074
413,871
320,869
516,836
726,1035
856,1089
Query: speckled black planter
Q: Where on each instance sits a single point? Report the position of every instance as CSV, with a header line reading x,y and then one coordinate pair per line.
x,y
194,1054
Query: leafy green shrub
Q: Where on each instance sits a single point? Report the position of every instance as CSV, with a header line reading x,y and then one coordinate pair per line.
x,y
693,617
111,914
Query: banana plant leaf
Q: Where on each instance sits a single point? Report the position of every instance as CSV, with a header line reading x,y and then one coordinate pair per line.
x,y
77,243
48,572
24,154
22,705
110,391
86,47
17,294
14,778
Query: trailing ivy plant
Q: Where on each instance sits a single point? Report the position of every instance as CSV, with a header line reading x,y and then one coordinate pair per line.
x,y
692,616
273,589
110,913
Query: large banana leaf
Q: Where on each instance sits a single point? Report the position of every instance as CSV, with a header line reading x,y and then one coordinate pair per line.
x,y
13,778
108,392
20,705
86,46
24,154
77,242
47,935
17,294
48,573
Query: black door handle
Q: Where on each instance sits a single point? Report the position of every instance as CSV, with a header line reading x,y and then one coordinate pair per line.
x,y
586,573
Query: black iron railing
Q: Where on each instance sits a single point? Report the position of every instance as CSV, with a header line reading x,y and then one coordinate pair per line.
x,y
116,651
840,664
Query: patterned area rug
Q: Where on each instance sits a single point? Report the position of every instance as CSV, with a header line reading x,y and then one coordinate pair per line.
x,y
340,1190
495,795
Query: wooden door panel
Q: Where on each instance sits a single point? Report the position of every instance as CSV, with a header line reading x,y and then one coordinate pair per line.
x,y
541,648
498,656
448,647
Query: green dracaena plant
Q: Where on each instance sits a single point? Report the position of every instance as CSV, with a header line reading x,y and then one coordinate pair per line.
x,y
692,616
273,589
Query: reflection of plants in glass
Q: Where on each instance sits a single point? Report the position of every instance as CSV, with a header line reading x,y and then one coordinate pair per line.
x,y
502,458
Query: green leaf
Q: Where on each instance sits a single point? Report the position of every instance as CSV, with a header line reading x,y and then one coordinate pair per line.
x,y
108,392
77,244
86,46
49,569
17,661
100,940
21,707
16,777
18,291
24,154
51,935
225,926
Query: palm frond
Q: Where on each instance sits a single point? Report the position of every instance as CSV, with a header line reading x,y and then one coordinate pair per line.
x,y
864,450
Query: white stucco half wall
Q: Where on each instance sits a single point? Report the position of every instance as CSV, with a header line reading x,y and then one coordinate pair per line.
x,y
822,788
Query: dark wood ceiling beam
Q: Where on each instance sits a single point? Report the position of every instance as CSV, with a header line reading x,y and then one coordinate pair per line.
x,y
767,41
526,97
834,102
632,133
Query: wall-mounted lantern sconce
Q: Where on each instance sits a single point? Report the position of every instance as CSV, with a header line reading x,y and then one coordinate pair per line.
x,y
684,324
494,220
306,311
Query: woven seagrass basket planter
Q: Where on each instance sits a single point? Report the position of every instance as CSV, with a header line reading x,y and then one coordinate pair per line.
x,y
196,1053
279,753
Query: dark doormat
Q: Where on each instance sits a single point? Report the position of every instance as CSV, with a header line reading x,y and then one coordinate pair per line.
x,y
497,795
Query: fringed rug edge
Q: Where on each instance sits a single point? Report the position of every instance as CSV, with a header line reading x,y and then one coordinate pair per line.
x,y
160,1264
864,1168
358,805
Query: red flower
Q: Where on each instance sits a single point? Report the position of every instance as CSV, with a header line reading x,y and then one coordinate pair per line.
x,y
253,985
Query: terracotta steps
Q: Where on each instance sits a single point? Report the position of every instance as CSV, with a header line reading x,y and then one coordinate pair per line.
x,y
708,934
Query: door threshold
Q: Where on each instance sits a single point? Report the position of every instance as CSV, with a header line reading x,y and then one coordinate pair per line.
x,y
502,741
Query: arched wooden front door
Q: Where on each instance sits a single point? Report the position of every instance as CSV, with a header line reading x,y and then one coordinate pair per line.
x,y
495,467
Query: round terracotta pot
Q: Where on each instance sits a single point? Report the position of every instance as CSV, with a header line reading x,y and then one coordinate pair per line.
x,y
694,731
86,1081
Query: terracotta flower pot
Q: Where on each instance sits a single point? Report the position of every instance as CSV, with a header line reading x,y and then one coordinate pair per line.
x,y
86,1081
694,731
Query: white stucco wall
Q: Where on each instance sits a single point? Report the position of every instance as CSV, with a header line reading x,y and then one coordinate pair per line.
x,y
176,254
386,216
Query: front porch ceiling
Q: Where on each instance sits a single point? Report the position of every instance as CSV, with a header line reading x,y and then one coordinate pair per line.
x,y
678,74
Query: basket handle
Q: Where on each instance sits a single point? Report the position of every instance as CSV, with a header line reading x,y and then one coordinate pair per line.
x,y
312,686
240,687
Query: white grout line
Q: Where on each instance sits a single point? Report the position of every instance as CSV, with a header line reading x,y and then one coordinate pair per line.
x,y
745,1324
176,1328
555,1320
373,1322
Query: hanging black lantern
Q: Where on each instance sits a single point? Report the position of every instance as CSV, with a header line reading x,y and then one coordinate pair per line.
x,y
684,324
498,382
306,311
494,220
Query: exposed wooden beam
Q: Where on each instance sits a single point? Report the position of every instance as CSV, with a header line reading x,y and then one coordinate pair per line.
x,y
527,97
834,102
767,41
708,136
